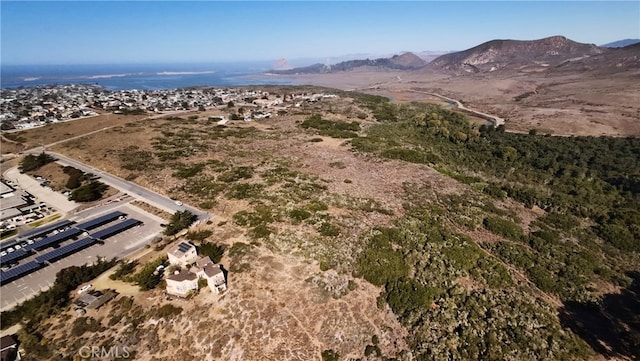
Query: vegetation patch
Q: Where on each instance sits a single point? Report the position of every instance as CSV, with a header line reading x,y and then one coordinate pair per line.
x,y
503,227
179,221
32,162
89,192
335,129
57,297
211,250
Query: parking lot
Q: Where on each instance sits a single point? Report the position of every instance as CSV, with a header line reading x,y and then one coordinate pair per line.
x,y
117,246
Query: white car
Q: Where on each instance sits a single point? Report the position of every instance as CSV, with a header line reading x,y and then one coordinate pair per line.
x,y
3,253
84,289
178,203
17,246
10,249
30,241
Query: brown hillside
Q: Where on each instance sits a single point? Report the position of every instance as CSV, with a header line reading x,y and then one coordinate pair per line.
x,y
521,55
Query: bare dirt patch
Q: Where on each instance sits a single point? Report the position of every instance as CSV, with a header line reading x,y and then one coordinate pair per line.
x,y
151,209
56,132
53,172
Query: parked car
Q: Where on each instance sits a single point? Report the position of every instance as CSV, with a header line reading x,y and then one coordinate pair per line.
x,y
3,253
84,289
17,247
30,241
10,249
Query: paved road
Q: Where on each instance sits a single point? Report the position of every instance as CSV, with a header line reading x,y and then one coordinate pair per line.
x,y
497,121
132,189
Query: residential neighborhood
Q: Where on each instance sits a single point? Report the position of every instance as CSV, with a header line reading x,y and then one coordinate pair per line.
x,y
24,108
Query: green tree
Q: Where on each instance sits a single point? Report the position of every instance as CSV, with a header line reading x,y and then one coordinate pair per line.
x,y
214,251
33,162
179,221
89,192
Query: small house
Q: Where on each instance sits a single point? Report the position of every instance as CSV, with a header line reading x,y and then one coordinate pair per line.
x,y
183,254
181,283
215,278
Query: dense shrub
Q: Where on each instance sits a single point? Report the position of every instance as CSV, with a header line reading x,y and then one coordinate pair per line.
x,y
88,192
299,215
336,129
199,235
168,311
212,250
148,278
179,221
55,298
33,162
503,227
189,171
236,174
329,355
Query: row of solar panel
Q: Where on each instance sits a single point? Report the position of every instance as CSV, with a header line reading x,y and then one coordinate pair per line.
x,y
26,268
19,271
65,250
44,230
63,236
72,232
15,255
97,222
38,245
115,229
93,223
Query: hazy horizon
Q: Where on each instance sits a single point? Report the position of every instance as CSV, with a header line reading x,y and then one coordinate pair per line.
x,y
58,33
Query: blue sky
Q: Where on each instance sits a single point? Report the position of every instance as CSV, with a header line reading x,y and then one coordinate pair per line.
x,y
92,32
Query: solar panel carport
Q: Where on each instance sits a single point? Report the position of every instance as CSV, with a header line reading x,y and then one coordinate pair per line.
x,y
99,221
14,256
56,238
115,229
44,230
19,271
66,250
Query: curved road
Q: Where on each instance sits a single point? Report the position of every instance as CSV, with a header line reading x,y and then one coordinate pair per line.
x,y
497,121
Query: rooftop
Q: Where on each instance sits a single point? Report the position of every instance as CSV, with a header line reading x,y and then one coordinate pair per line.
x,y
203,262
183,276
181,248
212,270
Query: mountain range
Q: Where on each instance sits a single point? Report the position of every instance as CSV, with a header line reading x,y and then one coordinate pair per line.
x,y
556,53
531,55
621,43
406,61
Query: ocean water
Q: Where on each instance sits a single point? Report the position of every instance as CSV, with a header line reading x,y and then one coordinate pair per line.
x,y
141,76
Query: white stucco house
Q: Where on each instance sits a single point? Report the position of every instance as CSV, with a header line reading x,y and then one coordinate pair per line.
x,y
216,280
182,254
182,283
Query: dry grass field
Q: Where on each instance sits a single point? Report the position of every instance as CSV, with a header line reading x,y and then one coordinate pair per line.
x,y
294,208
